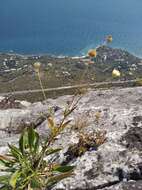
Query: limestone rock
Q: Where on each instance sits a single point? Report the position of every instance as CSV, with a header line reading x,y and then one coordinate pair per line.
x,y
117,163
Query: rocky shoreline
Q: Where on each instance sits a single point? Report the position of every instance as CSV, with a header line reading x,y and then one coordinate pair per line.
x,y
116,164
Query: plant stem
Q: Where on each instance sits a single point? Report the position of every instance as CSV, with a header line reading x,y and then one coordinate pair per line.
x,y
41,85
84,73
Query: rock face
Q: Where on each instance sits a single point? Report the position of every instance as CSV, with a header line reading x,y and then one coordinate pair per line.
x,y
117,163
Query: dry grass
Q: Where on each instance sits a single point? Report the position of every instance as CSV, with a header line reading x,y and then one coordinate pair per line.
x,y
80,122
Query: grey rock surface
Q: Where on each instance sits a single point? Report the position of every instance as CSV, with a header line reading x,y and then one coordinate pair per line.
x,y
117,163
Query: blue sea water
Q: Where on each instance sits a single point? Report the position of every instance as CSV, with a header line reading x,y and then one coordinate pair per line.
x,y
69,27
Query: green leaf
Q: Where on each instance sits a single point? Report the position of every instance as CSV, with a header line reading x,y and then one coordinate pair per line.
x,y
4,187
15,151
53,180
52,151
10,169
36,144
4,158
14,178
23,142
4,179
31,137
35,183
64,169
5,161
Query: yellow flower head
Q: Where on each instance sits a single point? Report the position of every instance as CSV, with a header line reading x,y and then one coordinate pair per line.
x,y
109,39
92,53
130,73
116,73
37,66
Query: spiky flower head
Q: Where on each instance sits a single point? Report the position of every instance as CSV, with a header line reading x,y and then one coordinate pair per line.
x,y
37,66
116,73
109,39
92,53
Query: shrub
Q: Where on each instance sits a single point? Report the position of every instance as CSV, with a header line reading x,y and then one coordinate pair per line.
x,y
27,166
87,142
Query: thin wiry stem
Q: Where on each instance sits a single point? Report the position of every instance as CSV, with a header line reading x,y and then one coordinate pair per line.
x,y
41,85
84,74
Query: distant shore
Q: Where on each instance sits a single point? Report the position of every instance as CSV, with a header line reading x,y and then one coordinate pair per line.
x,y
17,73
54,55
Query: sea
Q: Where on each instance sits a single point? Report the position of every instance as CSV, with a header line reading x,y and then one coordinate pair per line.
x,y
69,27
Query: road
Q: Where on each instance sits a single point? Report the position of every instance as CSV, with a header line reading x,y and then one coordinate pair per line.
x,y
97,84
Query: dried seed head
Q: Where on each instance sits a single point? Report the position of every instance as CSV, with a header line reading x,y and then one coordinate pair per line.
x,y
92,53
109,39
116,73
37,66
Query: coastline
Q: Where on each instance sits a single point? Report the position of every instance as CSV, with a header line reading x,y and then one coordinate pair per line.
x,y
17,73
80,55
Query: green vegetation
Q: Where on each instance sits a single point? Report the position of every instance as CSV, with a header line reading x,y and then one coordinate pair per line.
x,y
86,142
28,166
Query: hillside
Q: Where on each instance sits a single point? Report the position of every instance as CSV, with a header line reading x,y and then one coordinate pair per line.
x,y
16,71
